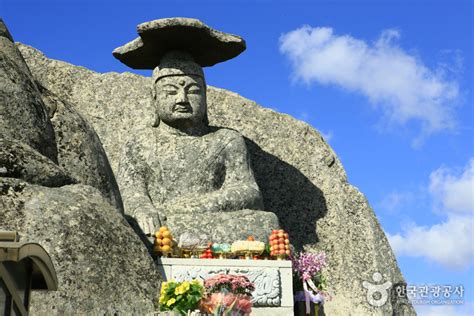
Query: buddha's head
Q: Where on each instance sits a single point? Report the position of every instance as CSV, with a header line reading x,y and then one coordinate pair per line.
x,y
179,92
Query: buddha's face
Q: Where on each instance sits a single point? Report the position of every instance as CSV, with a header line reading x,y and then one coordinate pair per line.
x,y
181,100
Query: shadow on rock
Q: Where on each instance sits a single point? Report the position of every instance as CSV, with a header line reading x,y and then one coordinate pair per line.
x,y
145,239
288,193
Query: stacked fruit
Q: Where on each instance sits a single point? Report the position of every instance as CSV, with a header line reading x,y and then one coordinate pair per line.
x,y
207,254
279,243
163,241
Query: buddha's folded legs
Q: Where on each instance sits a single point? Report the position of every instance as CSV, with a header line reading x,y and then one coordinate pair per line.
x,y
225,227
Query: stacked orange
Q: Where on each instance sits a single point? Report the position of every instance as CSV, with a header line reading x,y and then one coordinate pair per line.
x,y
163,241
279,243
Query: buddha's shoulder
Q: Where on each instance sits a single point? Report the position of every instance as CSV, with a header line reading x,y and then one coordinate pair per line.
x,y
226,134
142,137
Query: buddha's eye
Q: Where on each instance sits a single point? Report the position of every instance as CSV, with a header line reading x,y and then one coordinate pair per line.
x,y
169,89
194,89
170,92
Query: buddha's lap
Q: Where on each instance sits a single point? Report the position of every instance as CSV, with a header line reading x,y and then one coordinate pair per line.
x,y
226,226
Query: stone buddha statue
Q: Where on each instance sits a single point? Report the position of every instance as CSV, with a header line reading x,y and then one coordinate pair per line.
x,y
186,174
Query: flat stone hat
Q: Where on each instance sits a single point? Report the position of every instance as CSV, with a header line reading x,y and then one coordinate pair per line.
x,y
206,45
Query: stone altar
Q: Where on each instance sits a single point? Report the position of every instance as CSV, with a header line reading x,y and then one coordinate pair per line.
x,y
273,293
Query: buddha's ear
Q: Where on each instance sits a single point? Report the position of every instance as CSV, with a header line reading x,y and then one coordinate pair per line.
x,y
153,92
156,117
156,120
154,78
206,117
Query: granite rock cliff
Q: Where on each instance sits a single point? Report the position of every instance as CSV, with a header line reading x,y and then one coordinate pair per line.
x,y
299,175
45,197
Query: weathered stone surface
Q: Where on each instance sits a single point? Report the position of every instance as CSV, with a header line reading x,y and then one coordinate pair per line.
x,y
102,266
4,32
22,113
27,117
208,46
226,226
18,160
299,175
80,151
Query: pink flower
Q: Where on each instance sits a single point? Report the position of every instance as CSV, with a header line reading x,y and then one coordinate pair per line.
x,y
229,302
307,265
243,304
237,284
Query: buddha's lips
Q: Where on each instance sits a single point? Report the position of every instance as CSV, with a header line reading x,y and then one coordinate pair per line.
x,y
181,108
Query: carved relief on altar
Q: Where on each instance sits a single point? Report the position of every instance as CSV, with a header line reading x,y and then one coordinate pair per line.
x,y
267,280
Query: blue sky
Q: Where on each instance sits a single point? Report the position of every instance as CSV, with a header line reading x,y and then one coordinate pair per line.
x,y
388,82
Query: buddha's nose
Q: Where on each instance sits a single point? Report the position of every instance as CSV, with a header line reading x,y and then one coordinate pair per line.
x,y
182,97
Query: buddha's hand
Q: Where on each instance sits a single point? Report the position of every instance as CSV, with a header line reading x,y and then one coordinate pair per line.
x,y
148,219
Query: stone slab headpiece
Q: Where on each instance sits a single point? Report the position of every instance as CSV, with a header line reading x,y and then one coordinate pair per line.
x,y
157,38
176,63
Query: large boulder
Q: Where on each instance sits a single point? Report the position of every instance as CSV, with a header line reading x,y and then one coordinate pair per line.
x,y
80,151
102,266
300,176
23,116
18,160
35,122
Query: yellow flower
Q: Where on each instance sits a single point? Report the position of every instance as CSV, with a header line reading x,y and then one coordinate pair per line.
x,y
196,281
171,302
183,288
163,290
162,299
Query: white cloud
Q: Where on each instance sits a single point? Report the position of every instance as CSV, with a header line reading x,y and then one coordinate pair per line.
x,y
452,192
450,243
303,116
396,200
395,81
327,136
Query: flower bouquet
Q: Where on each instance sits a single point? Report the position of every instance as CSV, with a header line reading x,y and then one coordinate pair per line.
x,y
228,295
181,297
309,283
